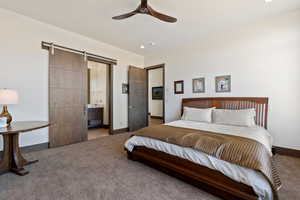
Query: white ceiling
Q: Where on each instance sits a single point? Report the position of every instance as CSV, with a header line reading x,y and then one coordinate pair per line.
x,y
196,19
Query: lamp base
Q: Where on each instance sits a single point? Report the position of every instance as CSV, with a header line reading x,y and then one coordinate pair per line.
x,y
6,114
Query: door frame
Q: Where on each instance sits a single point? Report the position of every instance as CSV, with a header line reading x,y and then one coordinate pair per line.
x,y
164,88
110,95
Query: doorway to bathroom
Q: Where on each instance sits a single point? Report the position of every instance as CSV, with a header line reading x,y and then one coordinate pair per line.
x,y
99,92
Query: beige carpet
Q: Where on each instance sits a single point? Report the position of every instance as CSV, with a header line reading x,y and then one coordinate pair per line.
x,y
99,170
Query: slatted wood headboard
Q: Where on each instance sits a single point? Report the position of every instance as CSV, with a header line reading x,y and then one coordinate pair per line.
x,y
234,103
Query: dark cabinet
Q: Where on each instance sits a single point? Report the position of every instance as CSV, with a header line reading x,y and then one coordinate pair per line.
x,y
95,117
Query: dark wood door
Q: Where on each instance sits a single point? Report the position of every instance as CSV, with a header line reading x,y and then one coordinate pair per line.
x,y
67,98
138,99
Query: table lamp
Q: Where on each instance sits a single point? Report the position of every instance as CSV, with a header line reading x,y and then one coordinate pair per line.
x,y
7,97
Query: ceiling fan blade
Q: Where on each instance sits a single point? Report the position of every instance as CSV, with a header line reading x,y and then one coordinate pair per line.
x,y
161,16
124,16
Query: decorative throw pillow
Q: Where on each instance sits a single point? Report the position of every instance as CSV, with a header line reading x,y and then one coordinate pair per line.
x,y
244,117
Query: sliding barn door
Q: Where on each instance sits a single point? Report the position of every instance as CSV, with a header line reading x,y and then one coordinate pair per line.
x,y
138,99
67,98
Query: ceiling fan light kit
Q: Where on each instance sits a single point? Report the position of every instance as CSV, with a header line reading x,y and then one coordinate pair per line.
x,y
145,8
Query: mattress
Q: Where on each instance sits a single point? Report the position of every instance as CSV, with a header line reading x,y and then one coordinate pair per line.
x,y
244,175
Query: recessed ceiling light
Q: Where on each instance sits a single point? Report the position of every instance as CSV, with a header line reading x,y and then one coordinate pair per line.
x,y
142,47
268,1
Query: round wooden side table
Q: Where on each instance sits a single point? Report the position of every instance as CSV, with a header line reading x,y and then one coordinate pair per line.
x,y
12,159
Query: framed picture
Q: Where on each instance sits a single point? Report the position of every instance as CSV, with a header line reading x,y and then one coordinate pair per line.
x,y
178,87
125,88
199,85
223,83
157,93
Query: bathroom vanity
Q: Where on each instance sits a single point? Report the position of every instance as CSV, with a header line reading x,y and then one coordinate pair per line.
x,y
95,116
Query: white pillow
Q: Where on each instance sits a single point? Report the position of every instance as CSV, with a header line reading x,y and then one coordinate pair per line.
x,y
197,114
244,117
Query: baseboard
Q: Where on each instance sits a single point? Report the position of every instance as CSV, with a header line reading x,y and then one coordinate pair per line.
x,y
106,126
156,117
286,151
33,148
119,131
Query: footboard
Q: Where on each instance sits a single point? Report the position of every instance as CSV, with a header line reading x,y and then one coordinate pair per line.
x,y
202,177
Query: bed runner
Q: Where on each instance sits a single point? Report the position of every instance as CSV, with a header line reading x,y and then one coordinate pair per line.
x,y
234,149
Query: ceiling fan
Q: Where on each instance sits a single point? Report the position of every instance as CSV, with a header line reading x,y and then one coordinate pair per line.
x,y
144,8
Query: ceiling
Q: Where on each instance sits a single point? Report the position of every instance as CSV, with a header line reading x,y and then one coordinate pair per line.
x,y
196,19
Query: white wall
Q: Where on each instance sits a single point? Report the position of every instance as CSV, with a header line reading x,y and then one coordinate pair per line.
x,y
24,67
264,61
155,80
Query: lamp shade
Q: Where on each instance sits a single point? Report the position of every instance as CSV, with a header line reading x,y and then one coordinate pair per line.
x,y
8,97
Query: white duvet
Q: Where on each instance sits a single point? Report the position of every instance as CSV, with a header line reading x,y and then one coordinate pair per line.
x,y
240,174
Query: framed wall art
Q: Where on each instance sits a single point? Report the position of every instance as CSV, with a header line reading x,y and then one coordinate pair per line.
x,y
125,88
199,85
157,93
223,84
178,87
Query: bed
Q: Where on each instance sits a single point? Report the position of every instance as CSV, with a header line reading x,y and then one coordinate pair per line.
x,y
224,179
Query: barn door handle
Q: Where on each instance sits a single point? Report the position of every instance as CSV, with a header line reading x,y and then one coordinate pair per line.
x,y
84,109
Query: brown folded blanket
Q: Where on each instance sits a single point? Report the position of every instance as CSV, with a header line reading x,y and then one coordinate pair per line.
x,y
236,150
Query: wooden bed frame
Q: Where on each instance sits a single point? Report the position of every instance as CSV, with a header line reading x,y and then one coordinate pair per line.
x,y
205,178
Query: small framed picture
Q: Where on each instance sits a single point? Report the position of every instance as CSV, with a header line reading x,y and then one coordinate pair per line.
x,y
125,88
178,87
223,84
199,85
157,93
